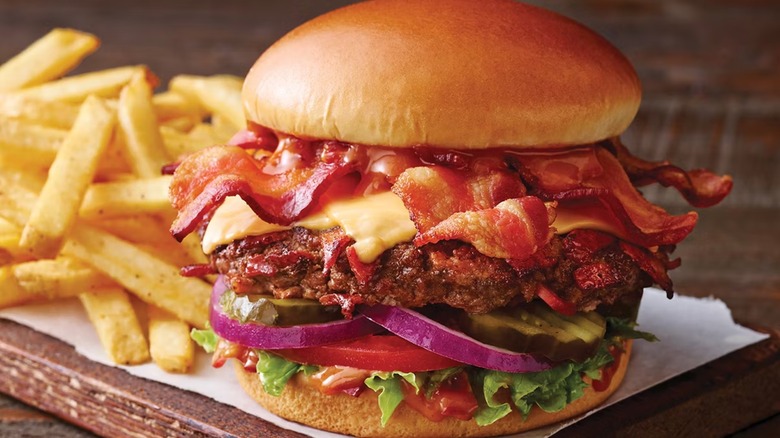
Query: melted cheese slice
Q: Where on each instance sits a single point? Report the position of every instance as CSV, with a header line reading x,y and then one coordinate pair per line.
x,y
234,220
376,223
568,219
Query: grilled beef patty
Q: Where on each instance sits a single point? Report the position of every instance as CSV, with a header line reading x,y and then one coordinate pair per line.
x,y
292,264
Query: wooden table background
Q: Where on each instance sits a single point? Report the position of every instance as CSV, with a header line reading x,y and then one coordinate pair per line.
x,y
711,76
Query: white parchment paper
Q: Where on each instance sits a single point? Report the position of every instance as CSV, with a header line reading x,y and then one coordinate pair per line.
x,y
692,332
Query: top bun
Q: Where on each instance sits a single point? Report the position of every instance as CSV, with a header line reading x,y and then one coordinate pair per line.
x,y
447,73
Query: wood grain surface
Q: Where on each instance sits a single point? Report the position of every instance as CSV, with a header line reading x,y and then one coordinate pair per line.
x,y
711,76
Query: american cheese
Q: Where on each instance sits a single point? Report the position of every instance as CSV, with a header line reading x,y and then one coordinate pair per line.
x,y
376,223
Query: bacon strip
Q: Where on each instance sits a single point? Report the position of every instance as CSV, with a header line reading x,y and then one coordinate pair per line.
x,y
700,187
514,229
653,266
592,182
207,177
432,194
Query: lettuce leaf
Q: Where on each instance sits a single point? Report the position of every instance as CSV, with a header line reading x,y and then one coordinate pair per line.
x,y
625,329
206,338
551,389
275,371
388,387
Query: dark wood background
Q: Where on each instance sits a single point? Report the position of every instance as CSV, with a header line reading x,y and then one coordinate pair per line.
x,y
711,76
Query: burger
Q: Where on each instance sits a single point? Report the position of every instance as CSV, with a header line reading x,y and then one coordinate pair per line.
x,y
430,225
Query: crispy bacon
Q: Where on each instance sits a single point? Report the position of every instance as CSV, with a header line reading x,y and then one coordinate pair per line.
x,y
581,244
700,187
364,272
591,181
596,276
197,270
207,177
345,301
653,266
269,265
334,241
432,194
513,229
263,139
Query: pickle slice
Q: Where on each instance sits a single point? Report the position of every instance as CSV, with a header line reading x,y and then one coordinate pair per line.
x,y
537,329
267,310
296,311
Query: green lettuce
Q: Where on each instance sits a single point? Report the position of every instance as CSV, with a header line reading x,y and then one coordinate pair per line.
x,y
388,387
275,371
625,329
206,338
551,389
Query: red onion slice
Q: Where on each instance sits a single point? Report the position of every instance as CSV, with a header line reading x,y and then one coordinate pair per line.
x,y
437,338
271,338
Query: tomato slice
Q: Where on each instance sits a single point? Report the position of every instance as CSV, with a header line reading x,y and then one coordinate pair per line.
x,y
374,352
555,302
453,398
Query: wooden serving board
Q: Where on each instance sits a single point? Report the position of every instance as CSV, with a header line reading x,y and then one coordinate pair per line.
x,y
721,397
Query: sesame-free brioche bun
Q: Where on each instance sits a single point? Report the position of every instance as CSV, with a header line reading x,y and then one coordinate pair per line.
x,y
449,73
360,416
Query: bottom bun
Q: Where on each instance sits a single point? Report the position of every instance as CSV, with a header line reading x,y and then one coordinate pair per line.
x,y
360,416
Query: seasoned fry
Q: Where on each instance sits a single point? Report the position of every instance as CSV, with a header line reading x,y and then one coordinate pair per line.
x,y
18,193
10,234
53,114
171,105
12,294
116,324
179,144
169,341
223,129
127,197
139,128
103,83
29,143
135,228
150,278
182,124
48,58
59,278
218,94
114,160
70,174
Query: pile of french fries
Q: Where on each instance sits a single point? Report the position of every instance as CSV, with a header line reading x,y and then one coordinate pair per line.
x,y
84,208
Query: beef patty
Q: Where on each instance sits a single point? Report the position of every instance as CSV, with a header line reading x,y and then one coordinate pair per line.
x,y
302,263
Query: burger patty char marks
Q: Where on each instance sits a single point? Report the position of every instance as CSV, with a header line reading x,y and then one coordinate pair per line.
x,y
289,264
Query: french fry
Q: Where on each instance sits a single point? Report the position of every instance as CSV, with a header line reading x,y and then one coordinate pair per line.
x,y
148,277
48,58
70,174
116,324
59,278
217,94
181,124
29,143
12,294
74,89
53,114
169,341
114,160
223,130
171,105
135,228
10,234
138,124
18,193
179,144
126,197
